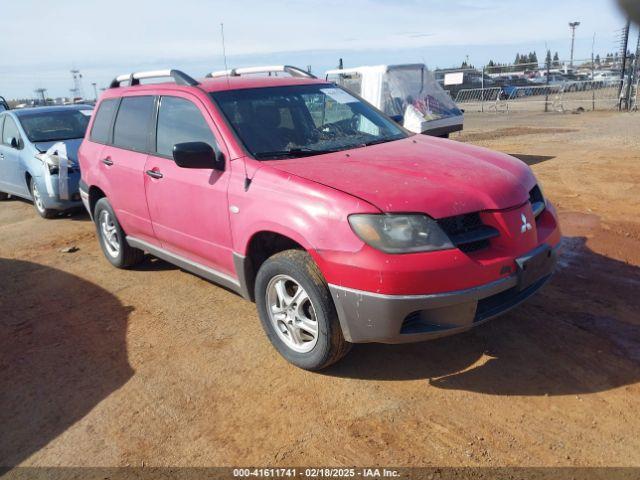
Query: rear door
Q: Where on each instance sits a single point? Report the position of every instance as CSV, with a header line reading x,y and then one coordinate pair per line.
x,y
188,207
122,164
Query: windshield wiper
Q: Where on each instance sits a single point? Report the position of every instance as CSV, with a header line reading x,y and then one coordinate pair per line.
x,y
292,152
381,140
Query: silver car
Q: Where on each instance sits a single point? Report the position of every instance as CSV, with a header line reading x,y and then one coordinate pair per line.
x,y
28,170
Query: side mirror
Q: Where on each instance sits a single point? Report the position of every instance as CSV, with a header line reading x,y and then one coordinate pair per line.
x,y
15,143
197,155
399,119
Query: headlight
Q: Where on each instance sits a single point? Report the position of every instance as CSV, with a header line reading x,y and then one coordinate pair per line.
x,y
399,233
53,162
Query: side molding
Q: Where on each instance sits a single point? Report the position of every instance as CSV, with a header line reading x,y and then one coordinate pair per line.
x,y
244,269
207,273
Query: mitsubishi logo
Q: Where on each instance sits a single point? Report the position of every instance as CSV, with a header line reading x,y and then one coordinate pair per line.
x,y
525,224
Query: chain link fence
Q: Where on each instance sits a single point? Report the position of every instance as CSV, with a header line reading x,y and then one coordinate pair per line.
x,y
536,88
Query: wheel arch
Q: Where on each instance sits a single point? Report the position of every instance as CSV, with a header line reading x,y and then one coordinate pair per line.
x,y
95,194
258,248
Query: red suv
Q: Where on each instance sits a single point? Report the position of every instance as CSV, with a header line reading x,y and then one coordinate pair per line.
x,y
342,226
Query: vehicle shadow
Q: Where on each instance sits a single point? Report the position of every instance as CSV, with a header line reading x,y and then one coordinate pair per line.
x,y
76,214
154,264
580,334
62,351
532,159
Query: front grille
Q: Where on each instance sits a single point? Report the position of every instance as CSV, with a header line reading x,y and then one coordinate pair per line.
x,y
537,201
467,232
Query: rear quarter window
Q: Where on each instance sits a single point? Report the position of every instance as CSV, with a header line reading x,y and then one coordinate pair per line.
x,y
101,129
133,121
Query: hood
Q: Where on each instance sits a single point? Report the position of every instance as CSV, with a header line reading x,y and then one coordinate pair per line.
x,y
439,177
72,147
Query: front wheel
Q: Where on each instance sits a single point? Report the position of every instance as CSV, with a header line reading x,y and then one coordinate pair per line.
x,y
112,238
38,203
297,312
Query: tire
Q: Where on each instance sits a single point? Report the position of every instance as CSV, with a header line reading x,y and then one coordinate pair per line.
x,y
47,213
292,269
113,239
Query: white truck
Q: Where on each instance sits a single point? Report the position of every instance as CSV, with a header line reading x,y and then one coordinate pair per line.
x,y
409,93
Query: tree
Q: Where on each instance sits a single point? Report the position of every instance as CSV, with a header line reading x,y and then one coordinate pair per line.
x,y
547,60
598,59
556,60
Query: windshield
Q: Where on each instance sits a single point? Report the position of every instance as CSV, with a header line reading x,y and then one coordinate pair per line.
x,y
303,120
55,125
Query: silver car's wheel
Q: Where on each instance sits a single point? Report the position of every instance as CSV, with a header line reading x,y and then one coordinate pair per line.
x,y
109,233
292,314
37,199
38,202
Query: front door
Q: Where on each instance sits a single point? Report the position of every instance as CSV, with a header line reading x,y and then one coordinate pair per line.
x,y
188,207
12,174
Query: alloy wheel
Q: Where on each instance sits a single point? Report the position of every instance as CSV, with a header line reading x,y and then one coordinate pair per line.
x,y
292,314
109,233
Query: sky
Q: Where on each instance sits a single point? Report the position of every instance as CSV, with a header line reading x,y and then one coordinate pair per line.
x,y
41,40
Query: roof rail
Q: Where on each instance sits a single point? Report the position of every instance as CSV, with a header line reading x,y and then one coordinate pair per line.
x,y
236,72
179,77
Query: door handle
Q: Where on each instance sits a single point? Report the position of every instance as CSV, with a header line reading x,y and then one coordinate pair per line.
x,y
154,174
107,161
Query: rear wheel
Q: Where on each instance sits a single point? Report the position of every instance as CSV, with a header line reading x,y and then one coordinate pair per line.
x,y
297,312
38,203
112,238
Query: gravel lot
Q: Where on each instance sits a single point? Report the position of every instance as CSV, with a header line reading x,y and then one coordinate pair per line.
x,y
155,367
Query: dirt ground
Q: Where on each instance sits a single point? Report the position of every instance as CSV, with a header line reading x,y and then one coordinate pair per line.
x,y
154,366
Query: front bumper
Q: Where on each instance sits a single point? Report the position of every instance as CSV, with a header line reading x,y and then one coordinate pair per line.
x,y
50,192
372,317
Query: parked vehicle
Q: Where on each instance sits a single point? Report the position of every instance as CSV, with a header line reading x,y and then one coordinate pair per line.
x,y
342,226
408,93
466,79
510,84
28,170
3,104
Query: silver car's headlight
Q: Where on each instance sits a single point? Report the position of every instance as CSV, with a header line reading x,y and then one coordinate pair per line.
x,y
400,233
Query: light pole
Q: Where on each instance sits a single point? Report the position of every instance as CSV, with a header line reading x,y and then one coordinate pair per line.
x,y
573,26
95,90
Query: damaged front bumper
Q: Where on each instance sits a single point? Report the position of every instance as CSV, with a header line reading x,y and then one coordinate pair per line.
x,y
50,192
59,179
372,317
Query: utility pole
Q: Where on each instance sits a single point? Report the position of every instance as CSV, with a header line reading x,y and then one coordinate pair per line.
x,y
573,26
593,67
42,93
77,84
623,47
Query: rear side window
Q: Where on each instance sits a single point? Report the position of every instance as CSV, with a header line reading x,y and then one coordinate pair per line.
x,y
10,131
180,121
101,129
132,123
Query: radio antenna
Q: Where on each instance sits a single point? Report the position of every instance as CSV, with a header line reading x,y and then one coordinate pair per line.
x,y
224,53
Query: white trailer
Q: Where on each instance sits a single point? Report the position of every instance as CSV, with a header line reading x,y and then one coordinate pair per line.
x,y
409,91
